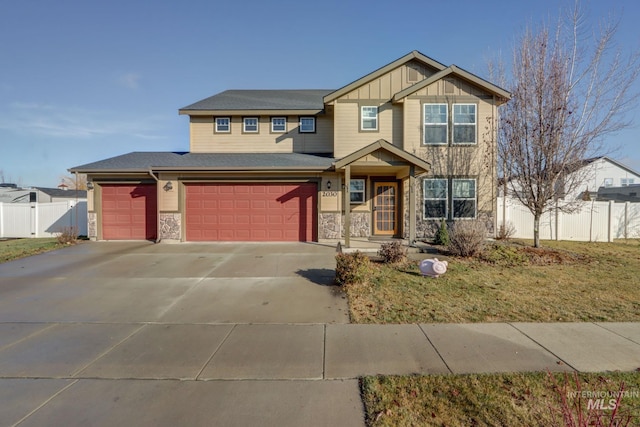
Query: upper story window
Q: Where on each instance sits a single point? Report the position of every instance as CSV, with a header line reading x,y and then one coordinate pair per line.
x,y
608,182
356,190
278,124
250,125
436,130
464,123
223,124
369,118
625,182
307,124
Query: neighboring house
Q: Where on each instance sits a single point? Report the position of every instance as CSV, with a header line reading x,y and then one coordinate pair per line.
x,y
400,148
11,193
603,173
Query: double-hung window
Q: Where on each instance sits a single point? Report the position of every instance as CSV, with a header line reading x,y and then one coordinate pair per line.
x,y
464,123
356,190
463,197
307,124
278,124
369,118
449,198
223,124
436,130
625,182
435,198
250,125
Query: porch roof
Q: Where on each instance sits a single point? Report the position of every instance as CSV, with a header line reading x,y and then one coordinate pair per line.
x,y
405,158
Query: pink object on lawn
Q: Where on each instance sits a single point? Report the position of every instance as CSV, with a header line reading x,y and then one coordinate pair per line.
x,y
433,267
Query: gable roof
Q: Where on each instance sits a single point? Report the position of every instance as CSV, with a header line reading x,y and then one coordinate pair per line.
x,y
383,70
166,161
381,144
458,72
246,100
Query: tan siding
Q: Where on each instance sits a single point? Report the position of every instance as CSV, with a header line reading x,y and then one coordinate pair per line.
x,y
204,140
168,200
348,136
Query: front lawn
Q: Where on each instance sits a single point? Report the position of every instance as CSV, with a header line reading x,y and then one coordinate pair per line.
x,y
20,248
521,399
564,282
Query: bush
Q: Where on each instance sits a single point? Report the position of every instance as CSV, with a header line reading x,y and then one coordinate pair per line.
x,y
67,235
506,231
393,252
442,235
467,238
352,268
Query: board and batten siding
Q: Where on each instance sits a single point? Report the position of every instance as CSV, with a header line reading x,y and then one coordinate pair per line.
x,y
203,139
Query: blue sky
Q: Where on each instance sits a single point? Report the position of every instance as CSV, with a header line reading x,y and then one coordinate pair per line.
x,y
84,80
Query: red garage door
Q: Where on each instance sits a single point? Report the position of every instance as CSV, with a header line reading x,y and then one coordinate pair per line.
x,y
129,212
251,212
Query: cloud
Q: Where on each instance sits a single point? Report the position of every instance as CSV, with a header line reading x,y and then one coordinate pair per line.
x,y
130,80
73,122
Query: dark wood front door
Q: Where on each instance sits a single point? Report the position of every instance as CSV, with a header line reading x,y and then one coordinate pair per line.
x,y
385,208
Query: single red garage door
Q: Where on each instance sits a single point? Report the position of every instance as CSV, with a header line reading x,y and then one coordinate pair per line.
x,y
251,212
129,211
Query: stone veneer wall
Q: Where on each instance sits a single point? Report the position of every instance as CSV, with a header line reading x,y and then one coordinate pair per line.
x,y
331,225
360,224
170,226
92,231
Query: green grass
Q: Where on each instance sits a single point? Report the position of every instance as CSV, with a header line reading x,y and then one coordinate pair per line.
x,y
20,248
565,281
522,399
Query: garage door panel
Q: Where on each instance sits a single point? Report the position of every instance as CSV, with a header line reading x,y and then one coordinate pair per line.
x,y
129,211
251,212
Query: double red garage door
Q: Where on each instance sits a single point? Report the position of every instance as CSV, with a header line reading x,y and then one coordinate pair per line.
x,y
251,212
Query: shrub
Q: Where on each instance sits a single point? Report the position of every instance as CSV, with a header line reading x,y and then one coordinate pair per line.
x,y
352,268
442,235
506,231
467,238
393,252
67,235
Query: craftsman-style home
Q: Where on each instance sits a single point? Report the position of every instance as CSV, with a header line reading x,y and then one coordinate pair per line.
x,y
388,155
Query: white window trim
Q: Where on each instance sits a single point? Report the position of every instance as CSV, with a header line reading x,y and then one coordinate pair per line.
x,y
475,199
364,187
425,123
425,198
607,182
278,118
362,118
228,119
475,125
307,131
244,124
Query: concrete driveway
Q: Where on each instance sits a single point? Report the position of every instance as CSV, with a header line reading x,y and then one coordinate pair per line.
x,y
174,283
140,334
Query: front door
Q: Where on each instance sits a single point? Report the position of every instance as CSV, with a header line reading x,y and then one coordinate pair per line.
x,y
385,200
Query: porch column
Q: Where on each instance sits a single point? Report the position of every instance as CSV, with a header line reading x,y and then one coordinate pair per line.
x,y
347,206
412,204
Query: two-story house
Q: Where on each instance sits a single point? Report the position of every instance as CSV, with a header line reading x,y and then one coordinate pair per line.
x,y
390,154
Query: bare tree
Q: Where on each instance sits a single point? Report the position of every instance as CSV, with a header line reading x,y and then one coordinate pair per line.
x,y
570,88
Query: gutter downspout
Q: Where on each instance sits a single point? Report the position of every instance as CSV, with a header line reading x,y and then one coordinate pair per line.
x,y
157,204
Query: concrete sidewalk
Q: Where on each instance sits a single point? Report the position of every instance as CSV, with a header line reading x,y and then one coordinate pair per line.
x,y
266,374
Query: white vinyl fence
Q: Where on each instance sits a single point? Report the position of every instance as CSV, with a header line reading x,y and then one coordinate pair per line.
x,y
594,222
19,220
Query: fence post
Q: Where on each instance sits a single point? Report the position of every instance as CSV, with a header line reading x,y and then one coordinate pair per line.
x,y
610,221
34,219
626,220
